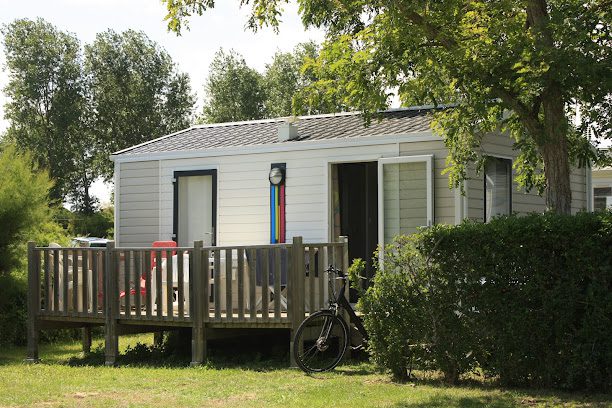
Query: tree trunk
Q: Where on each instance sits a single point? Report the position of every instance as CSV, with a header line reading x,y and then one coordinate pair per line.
x,y
87,203
552,141
557,172
554,151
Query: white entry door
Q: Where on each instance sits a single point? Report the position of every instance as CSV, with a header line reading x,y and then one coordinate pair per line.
x,y
405,195
195,207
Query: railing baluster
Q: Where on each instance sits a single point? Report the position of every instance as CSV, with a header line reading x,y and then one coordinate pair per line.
x,y
322,280
240,278
56,285
217,279
288,272
47,280
169,284
229,310
181,284
158,283
191,296
265,285
148,294
94,282
103,271
137,276
252,283
65,282
311,279
206,283
277,283
75,282
84,275
127,275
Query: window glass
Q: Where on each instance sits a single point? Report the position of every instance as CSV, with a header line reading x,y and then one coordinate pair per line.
x,y
602,198
498,187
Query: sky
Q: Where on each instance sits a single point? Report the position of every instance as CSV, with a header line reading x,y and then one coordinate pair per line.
x,y
193,51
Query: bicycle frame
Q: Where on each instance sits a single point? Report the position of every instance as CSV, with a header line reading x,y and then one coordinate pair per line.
x,y
340,302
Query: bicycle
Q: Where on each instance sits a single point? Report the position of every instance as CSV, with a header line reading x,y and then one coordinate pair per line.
x,y
323,338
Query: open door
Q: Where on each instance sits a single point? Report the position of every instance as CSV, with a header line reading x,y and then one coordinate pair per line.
x,y
405,195
195,207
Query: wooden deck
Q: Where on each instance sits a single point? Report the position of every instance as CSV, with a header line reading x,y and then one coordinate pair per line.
x,y
129,290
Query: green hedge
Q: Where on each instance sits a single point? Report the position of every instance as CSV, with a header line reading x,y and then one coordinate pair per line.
x,y
526,300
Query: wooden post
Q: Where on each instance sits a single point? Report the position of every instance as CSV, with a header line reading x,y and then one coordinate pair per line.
x,y
296,293
111,295
344,266
33,304
198,336
86,339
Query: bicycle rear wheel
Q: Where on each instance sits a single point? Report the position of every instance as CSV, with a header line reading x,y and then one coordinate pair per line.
x,y
320,342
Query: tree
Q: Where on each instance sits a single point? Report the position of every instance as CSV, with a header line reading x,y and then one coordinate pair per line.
x,y
289,80
24,203
234,91
46,97
135,93
515,66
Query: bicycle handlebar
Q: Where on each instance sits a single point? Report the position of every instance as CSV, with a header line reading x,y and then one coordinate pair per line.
x,y
333,270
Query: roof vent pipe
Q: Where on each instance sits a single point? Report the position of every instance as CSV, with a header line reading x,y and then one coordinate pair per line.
x,y
287,129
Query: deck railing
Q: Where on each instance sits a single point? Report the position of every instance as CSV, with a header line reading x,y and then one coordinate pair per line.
x,y
198,287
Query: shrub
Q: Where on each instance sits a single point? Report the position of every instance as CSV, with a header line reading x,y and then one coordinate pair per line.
x,y
526,299
24,204
13,310
24,215
98,224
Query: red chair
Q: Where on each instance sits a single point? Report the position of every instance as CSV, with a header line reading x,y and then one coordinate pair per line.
x,y
162,244
156,244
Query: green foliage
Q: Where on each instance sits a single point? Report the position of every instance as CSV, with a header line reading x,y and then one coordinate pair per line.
x,y
356,272
136,93
24,215
235,92
515,66
71,112
99,224
288,80
527,300
45,97
24,206
13,310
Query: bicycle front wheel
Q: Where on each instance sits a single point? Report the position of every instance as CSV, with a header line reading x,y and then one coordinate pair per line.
x,y
320,342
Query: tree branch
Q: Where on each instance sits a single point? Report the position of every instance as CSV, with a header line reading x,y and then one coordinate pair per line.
x,y
435,34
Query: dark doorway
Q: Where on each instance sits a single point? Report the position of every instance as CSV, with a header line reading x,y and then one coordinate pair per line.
x,y
357,207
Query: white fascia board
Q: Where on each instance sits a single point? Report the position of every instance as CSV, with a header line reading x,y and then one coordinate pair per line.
x,y
282,147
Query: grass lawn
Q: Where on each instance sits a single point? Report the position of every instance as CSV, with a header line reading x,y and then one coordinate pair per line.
x,y
58,381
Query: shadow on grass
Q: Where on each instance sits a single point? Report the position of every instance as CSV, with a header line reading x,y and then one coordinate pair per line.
x,y
222,354
499,401
503,397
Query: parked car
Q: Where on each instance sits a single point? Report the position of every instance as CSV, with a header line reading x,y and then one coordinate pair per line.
x,y
89,242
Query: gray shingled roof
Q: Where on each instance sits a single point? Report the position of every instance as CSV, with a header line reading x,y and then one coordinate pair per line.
x,y
321,127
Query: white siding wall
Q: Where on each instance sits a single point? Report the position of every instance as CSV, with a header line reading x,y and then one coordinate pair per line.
x,y
138,197
243,191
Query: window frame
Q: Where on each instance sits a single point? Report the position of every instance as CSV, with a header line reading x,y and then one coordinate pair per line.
x,y
596,186
509,161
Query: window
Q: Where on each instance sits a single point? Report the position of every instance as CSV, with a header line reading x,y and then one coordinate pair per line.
x,y
497,188
602,198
